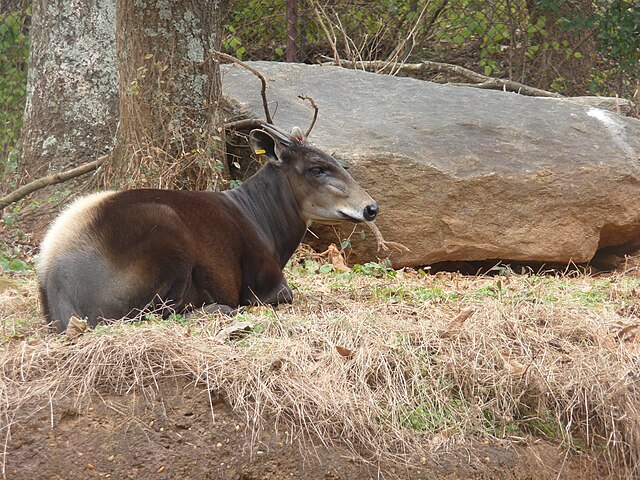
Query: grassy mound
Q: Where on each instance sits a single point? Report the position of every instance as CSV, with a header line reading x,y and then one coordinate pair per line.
x,y
392,364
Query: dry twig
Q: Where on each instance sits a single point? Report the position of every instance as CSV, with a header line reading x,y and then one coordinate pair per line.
x,y
315,112
331,39
483,81
382,243
263,81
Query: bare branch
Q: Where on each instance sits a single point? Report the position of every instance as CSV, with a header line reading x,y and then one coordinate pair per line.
x,y
401,50
244,124
31,187
263,91
315,112
382,243
332,41
483,81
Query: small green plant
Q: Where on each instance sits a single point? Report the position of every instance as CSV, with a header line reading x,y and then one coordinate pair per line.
x,y
412,294
595,295
10,260
492,291
59,197
233,43
546,425
374,269
431,414
422,419
10,219
500,427
309,267
14,264
435,294
312,267
179,319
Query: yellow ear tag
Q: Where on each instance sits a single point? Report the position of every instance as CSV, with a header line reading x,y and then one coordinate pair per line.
x,y
260,152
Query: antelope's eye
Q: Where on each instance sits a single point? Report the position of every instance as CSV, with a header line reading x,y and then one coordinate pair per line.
x,y
316,171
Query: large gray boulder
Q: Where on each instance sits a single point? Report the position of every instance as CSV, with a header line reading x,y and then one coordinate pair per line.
x,y
463,173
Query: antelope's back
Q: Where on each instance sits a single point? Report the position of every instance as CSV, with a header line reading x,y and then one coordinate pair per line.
x,y
72,230
112,252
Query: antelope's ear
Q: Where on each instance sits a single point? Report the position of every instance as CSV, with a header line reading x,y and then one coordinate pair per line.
x,y
263,144
297,134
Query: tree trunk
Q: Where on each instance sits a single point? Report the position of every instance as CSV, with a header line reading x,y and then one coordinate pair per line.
x,y
169,94
145,97
567,52
72,88
292,31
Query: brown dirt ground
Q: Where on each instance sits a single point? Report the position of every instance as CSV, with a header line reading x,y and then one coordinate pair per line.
x,y
170,433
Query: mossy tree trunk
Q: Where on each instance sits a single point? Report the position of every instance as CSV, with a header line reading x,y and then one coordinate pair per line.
x,y
128,78
71,113
169,94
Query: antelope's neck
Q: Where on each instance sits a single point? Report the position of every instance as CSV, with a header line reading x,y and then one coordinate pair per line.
x,y
267,200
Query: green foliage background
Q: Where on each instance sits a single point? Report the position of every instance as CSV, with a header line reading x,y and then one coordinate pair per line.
x,y
14,52
501,38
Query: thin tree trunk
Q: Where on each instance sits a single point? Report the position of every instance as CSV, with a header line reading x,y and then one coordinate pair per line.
x,y
567,52
292,31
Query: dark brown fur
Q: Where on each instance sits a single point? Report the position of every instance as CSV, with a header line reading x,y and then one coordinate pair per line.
x,y
176,250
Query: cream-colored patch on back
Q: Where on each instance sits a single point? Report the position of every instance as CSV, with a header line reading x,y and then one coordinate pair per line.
x,y
69,231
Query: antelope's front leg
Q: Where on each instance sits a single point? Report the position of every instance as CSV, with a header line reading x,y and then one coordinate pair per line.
x,y
272,293
281,294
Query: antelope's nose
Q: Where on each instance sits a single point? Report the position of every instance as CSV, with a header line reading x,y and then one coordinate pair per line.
x,y
370,212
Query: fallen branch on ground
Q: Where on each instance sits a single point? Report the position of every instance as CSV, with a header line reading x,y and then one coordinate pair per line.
x,y
483,81
61,177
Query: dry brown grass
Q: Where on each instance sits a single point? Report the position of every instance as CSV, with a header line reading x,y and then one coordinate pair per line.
x,y
384,364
